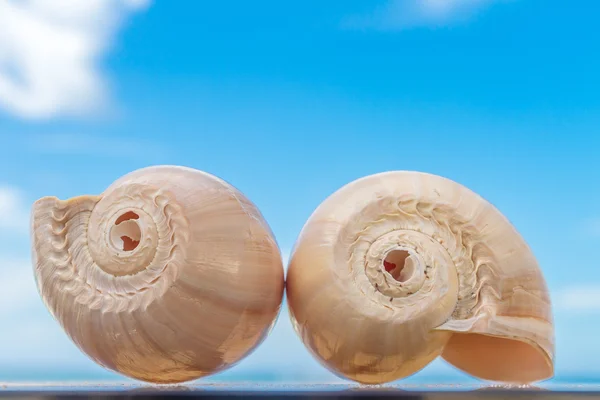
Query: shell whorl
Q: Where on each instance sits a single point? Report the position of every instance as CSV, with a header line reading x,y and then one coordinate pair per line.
x,y
171,274
83,261
468,270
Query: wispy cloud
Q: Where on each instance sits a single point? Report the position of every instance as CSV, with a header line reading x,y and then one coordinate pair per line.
x,y
93,145
18,284
405,14
285,256
579,298
50,52
32,338
14,210
592,226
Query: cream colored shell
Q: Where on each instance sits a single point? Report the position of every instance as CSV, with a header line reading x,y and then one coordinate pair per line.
x,y
199,292
460,282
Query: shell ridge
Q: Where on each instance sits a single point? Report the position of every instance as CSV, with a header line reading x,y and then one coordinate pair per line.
x,y
114,288
77,284
373,216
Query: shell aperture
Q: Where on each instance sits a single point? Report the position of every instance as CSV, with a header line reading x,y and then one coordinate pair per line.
x,y
170,275
398,268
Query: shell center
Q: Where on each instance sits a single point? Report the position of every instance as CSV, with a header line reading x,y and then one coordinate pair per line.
x,y
400,265
125,234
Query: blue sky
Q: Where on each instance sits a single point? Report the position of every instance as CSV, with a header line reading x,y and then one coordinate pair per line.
x,y
289,101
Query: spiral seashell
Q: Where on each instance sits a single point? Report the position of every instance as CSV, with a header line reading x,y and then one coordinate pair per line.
x,y
170,275
398,268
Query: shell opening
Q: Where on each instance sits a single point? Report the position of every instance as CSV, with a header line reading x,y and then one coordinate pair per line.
x,y
125,234
399,264
498,359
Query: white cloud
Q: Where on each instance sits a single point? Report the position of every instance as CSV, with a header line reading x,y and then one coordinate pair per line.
x,y
14,211
18,286
579,298
30,338
405,14
50,50
285,257
593,226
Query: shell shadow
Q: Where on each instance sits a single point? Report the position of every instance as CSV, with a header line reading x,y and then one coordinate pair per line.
x,y
375,389
165,389
509,388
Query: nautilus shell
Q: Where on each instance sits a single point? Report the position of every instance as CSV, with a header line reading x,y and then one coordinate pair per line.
x,y
398,268
170,275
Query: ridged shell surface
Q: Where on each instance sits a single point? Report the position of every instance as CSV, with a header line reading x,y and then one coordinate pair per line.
x,y
170,275
398,268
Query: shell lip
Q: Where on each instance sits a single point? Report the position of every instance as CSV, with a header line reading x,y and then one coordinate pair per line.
x,y
54,203
73,199
46,198
547,357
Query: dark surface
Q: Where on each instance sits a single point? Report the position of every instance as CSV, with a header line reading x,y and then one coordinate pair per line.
x,y
299,395
255,391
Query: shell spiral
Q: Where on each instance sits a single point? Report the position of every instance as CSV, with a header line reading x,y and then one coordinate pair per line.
x,y
398,268
170,275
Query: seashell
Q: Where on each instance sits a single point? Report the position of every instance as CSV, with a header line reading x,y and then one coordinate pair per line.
x,y
170,275
398,268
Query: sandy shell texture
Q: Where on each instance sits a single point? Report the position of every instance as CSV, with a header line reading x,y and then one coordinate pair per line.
x,y
398,268
170,275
